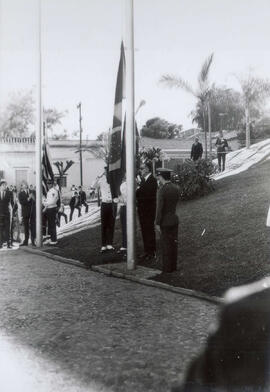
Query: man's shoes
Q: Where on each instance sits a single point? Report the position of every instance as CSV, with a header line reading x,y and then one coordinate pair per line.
x,y
24,244
53,243
103,249
9,246
109,247
47,242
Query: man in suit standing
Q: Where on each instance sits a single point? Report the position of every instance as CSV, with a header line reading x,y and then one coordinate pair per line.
x,y
196,150
5,214
25,201
146,206
166,219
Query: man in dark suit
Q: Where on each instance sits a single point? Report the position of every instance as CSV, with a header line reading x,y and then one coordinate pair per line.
x,y
5,214
74,203
196,150
236,356
166,219
82,196
146,206
25,200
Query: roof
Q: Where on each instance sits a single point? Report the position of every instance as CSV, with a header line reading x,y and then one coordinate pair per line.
x,y
166,144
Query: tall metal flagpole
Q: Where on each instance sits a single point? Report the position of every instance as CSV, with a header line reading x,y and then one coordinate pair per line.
x,y
130,139
39,136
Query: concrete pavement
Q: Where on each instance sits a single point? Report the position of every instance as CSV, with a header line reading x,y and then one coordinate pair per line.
x,y
83,331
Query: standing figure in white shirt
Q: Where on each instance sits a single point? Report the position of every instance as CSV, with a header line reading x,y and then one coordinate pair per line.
x,y
107,211
51,208
123,214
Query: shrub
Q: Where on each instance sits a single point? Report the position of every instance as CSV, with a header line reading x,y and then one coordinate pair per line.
x,y
194,178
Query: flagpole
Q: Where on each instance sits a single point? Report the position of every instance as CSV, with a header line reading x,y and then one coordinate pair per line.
x,y
39,130
130,139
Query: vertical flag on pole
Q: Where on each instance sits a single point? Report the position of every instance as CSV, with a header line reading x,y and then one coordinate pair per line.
x,y
47,171
116,146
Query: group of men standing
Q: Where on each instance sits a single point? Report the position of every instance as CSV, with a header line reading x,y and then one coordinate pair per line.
x,y
156,207
9,209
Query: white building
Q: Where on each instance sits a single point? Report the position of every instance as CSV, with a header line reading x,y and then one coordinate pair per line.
x,y
17,160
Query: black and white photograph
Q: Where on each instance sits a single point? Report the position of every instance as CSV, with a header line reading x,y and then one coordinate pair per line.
x,y
134,196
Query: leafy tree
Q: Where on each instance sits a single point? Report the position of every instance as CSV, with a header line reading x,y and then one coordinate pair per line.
x,y
18,117
225,101
202,92
52,118
159,128
254,93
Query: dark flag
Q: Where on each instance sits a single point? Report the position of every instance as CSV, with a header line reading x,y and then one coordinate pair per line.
x,y
47,171
117,145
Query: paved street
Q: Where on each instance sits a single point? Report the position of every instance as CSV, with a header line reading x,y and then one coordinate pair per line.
x,y
64,328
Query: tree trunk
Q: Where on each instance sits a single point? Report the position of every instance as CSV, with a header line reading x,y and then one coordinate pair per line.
x,y
209,128
247,127
205,134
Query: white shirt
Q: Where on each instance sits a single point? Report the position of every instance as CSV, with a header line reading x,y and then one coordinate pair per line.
x,y
146,177
105,190
51,199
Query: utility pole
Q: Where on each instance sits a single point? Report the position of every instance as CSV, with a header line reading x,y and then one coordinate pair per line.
x,y
79,106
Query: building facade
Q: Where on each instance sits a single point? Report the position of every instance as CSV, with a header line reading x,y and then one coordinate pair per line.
x,y
17,161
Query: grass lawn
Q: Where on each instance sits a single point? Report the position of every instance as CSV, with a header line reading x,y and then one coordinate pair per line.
x,y
233,250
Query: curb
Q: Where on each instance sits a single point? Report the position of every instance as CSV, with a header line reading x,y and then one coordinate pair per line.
x,y
64,260
121,275
160,285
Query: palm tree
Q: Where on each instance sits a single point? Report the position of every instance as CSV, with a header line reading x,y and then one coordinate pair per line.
x,y
202,92
254,92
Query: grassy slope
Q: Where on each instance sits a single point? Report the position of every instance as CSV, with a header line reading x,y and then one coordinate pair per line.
x,y
234,249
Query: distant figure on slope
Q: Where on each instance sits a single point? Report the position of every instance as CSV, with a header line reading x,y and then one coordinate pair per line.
x,y
196,150
82,196
74,203
222,148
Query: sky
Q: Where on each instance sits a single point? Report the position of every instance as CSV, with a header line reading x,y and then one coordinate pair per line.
x,y
81,48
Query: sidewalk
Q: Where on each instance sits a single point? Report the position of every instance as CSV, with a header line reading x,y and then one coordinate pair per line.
x,y
95,332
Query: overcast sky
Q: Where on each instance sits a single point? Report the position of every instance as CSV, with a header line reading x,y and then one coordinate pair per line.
x,y
81,47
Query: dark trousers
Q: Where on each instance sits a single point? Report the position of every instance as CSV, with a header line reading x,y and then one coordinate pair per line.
x,y
59,218
123,220
4,229
51,216
33,228
86,206
107,214
26,225
72,210
148,231
221,158
169,244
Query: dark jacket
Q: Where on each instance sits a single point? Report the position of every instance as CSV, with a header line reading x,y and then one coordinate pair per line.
x,y
236,357
82,195
75,202
25,203
5,202
167,199
146,196
221,145
196,151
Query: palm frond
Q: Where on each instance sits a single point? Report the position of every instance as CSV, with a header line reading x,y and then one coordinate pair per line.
x,y
177,82
203,75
